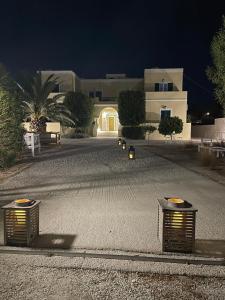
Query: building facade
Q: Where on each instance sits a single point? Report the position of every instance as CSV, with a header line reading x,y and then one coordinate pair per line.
x,y
164,96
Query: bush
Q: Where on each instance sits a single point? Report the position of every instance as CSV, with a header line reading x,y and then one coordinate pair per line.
x,y
133,132
81,108
7,158
170,126
131,108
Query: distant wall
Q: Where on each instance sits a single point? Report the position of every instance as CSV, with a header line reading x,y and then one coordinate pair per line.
x,y
215,131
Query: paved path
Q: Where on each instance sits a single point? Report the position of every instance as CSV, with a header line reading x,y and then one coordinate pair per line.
x,y
94,197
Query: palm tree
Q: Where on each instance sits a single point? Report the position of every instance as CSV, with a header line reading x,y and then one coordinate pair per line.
x,y
37,104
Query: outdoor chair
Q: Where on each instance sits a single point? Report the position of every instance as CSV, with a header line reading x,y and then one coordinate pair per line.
x,y
32,141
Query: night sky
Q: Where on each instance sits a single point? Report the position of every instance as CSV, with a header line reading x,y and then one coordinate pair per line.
x,y
98,37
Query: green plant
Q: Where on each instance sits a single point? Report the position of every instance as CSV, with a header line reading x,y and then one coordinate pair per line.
x,y
148,129
11,132
7,158
38,106
170,126
131,108
217,71
133,132
81,108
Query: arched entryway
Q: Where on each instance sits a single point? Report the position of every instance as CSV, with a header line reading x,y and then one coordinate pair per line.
x,y
108,122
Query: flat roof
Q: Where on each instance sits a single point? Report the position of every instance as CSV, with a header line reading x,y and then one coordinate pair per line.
x,y
169,70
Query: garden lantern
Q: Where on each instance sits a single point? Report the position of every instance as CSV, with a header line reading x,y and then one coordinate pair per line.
x,y
176,225
119,142
124,145
131,152
21,222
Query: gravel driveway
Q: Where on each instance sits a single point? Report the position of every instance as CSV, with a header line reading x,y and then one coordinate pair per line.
x,y
55,278
93,197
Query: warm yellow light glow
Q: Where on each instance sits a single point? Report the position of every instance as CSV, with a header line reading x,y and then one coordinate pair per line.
x,y
131,155
124,146
176,200
177,219
22,201
20,217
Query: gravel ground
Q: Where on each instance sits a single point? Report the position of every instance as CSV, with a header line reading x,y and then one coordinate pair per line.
x,y
39,278
94,198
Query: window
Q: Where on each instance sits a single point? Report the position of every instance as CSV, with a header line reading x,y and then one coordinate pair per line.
x,y
56,89
163,86
98,94
165,113
91,94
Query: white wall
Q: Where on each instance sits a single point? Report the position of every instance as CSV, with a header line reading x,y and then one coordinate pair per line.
x,y
216,131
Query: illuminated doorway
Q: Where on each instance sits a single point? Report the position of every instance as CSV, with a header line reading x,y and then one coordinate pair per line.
x,y
108,122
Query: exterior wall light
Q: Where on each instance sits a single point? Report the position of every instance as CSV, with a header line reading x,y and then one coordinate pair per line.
x,y
176,225
131,152
21,222
119,141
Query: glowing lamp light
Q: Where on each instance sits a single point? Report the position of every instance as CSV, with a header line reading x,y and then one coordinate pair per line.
x,y
131,152
176,225
119,141
124,145
21,222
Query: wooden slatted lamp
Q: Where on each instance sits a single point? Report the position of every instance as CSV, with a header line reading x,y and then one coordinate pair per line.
x,y
176,225
21,222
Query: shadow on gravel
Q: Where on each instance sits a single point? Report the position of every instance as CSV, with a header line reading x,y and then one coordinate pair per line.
x,y
215,248
54,241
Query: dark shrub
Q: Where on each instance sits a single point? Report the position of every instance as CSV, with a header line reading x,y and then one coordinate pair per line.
x,y
131,108
7,158
133,132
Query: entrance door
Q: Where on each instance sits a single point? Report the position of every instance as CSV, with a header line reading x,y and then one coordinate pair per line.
x,y
111,123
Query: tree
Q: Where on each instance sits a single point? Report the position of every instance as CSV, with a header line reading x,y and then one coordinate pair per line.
x,y
131,108
38,106
170,126
216,73
81,108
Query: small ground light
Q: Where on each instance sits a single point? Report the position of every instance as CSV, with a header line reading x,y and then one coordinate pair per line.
x,y
21,222
176,225
131,152
124,145
119,142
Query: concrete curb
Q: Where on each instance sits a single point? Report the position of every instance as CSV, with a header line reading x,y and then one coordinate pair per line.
x,y
188,259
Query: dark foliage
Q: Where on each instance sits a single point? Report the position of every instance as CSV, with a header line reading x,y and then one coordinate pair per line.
x,y
131,108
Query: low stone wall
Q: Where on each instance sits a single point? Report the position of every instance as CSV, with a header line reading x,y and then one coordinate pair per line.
x,y
215,131
184,136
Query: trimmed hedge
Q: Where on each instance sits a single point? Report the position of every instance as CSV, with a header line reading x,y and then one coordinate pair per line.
x,y
131,108
7,158
133,132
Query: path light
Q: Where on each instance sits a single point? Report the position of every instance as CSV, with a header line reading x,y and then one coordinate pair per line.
x,y
124,145
119,142
176,225
21,222
131,152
